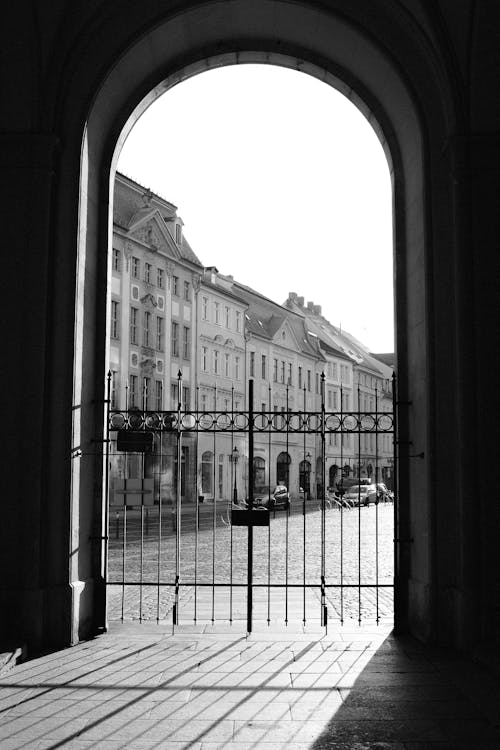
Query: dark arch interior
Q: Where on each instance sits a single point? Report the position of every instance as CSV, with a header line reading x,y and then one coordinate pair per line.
x,y
427,80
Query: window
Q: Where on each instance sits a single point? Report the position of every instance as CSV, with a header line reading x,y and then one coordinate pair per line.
x,y
207,461
186,342
259,472
252,364
227,311
226,365
309,380
159,334
317,382
300,376
132,391
289,380
173,395
204,358
238,321
204,402
134,312
158,395
216,362
221,475
282,375
115,322
147,392
148,268
178,234
175,339
146,328
330,400
217,312
114,399
275,370
160,278
117,260
175,285
185,397
237,368
264,367
187,293
204,308
136,267
334,371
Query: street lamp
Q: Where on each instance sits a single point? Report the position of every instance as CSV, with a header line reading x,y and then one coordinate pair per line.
x,y
236,455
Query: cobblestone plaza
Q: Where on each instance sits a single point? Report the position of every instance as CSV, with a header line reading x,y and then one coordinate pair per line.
x,y
358,545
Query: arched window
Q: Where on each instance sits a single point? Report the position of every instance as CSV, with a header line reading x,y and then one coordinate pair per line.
x,y
305,477
259,472
283,468
207,473
332,475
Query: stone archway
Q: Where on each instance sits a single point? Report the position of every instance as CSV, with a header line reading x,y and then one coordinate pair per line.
x,y
381,65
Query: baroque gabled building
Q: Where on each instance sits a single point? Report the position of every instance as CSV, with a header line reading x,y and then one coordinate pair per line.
x,y
154,280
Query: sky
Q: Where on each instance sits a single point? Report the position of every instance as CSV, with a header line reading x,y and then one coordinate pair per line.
x,y
281,182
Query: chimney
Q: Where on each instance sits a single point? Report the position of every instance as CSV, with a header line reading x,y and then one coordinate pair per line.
x,y
317,309
292,296
300,301
310,306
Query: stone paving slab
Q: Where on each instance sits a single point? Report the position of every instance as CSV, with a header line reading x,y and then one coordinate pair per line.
x,y
209,687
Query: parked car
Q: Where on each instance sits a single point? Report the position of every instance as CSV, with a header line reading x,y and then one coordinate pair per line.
x,y
265,499
361,494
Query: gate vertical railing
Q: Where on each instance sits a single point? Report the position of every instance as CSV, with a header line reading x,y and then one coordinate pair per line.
x,y
250,506
342,530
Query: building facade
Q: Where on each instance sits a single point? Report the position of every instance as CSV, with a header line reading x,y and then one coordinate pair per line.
x,y
184,336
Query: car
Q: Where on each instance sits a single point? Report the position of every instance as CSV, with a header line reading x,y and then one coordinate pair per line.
x,y
361,494
263,498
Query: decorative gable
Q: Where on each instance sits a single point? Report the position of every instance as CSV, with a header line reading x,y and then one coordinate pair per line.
x,y
285,336
150,229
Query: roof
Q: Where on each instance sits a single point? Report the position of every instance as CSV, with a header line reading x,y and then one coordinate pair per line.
x,y
339,342
264,318
134,203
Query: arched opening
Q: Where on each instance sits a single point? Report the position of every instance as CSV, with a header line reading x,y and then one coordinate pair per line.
x,y
207,473
259,473
359,67
305,478
283,469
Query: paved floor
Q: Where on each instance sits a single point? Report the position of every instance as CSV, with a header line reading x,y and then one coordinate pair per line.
x,y
208,687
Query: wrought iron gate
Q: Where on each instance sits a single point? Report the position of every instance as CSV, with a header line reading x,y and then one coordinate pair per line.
x,y
194,532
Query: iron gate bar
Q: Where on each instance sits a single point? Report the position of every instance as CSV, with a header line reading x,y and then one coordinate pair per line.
x,y
359,516
250,508
304,516
233,470
376,506
342,508
105,541
323,612
214,507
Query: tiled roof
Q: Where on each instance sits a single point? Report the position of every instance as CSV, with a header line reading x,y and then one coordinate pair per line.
x,y
265,317
129,206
